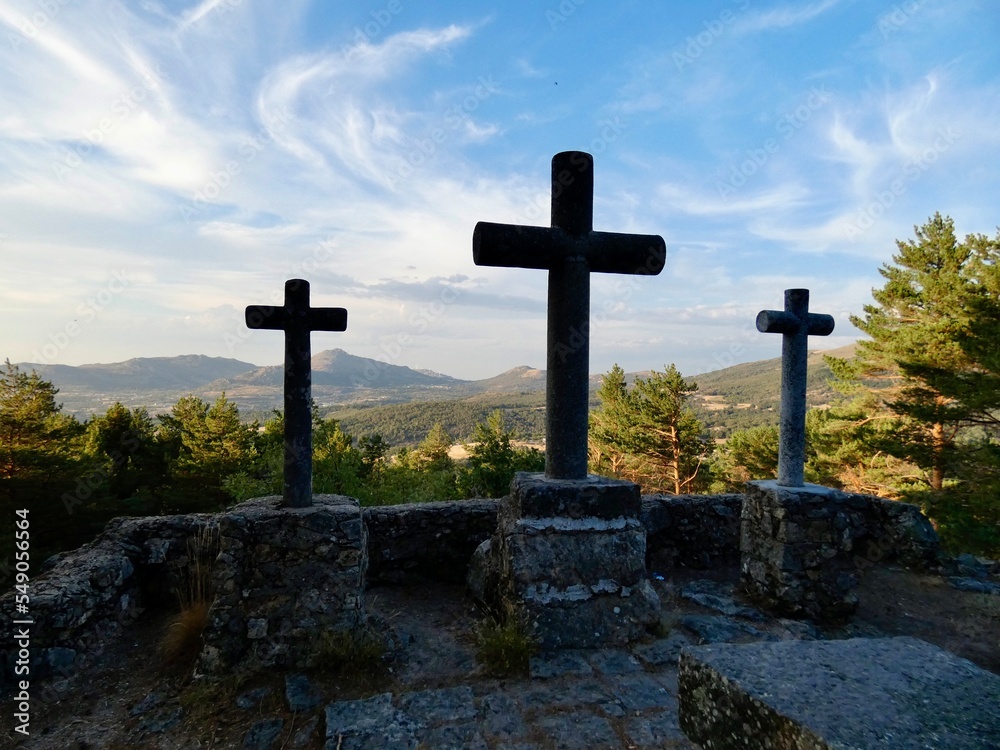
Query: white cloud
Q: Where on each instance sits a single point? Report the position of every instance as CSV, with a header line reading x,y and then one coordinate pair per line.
x,y
194,15
782,17
682,198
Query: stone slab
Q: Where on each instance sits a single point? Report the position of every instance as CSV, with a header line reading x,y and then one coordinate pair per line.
x,y
501,717
369,724
663,651
538,496
888,693
439,706
639,692
570,693
453,737
578,730
653,731
551,664
719,629
614,662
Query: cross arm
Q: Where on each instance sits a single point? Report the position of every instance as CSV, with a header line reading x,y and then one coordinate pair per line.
x,y
513,246
781,321
266,317
611,252
327,319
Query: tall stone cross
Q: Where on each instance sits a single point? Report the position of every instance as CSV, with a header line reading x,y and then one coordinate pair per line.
x,y
297,320
570,250
795,324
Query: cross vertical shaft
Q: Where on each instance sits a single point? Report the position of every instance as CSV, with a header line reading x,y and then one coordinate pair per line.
x,y
567,339
298,397
795,324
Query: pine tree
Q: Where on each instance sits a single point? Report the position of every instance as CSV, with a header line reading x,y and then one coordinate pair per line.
x,y
747,454
204,446
432,453
926,387
124,445
34,435
611,425
39,463
915,329
667,431
649,434
491,459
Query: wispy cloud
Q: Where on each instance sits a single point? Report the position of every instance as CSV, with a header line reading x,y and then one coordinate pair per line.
x,y
198,12
782,17
682,198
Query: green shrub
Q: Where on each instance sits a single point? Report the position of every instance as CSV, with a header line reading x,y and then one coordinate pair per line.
x,y
505,644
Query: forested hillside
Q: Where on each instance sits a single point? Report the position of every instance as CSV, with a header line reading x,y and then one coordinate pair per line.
x,y
738,397
408,424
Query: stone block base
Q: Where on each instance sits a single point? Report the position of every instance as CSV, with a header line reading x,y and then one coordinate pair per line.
x,y
830,695
283,578
796,546
571,556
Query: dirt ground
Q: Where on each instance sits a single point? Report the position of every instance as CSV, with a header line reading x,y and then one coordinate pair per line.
x,y
92,710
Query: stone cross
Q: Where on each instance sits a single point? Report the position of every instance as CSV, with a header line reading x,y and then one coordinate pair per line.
x,y
297,320
570,251
796,324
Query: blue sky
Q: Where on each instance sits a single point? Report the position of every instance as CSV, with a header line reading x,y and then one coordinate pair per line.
x,y
164,164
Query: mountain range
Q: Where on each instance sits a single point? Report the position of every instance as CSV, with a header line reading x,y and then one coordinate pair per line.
x,y
344,380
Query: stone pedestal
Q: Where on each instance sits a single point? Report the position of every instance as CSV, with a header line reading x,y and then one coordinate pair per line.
x,y
797,546
570,555
283,578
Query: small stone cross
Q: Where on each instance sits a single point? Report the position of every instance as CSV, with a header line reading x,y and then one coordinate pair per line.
x,y
297,320
570,250
796,324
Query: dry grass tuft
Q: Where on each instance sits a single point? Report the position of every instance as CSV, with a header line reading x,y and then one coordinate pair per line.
x,y
182,640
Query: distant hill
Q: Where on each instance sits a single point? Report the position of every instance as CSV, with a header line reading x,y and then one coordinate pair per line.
x,y
408,424
371,396
188,371
749,394
760,382
338,369
733,398
517,380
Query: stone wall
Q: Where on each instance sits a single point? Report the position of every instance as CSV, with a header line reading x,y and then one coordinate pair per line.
x,y
82,598
691,531
436,540
429,540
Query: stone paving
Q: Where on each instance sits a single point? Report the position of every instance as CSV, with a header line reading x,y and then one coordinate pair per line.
x,y
439,696
606,698
573,699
